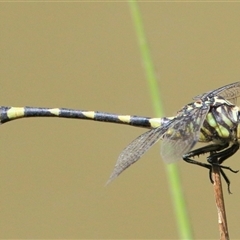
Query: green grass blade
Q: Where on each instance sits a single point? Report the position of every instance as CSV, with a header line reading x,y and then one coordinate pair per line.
x,y
178,201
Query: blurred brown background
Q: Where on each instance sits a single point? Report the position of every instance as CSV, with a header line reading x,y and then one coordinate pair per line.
x,y
86,56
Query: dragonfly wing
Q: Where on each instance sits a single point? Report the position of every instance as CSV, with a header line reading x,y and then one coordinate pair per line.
x,y
229,92
183,133
136,149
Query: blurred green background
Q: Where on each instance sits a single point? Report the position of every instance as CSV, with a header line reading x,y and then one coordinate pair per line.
x,y
86,56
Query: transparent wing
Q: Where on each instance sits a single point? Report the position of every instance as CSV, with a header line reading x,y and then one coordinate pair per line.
x,y
229,92
136,149
183,133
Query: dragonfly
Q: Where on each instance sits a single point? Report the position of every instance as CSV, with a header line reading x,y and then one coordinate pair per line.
x,y
212,118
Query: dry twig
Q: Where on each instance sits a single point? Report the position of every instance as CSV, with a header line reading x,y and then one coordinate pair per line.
x,y
218,193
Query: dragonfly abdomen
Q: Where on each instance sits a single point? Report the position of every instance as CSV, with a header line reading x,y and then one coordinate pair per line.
x,y
11,113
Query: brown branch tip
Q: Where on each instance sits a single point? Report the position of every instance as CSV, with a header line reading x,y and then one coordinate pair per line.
x,y
219,199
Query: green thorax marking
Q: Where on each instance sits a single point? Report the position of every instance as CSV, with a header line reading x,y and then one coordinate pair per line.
x,y
221,122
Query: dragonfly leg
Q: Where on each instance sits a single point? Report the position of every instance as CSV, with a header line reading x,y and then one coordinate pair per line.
x,y
210,175
215,161
219,157
226,180
210,148
224,176
215,158
189,160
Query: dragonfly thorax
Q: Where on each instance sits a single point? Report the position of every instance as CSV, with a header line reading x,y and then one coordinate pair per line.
x,y
221,123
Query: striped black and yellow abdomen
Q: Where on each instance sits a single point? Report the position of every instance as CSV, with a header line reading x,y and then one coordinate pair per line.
x,y
11,113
